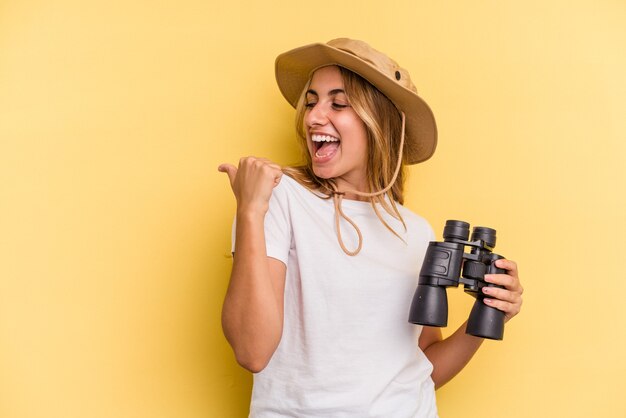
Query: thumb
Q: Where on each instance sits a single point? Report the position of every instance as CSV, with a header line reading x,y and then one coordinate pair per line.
x,y
230,170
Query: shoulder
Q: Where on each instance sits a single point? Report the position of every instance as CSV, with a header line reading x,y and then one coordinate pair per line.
x,y
287,182
285,187
416,222
289,187
290,194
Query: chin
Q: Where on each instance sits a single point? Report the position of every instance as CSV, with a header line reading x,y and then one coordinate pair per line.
x,y
323,172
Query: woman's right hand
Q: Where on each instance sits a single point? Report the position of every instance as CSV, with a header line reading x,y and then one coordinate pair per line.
x,y
252,183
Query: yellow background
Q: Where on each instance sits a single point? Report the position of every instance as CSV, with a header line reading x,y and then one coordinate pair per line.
x,y
115,224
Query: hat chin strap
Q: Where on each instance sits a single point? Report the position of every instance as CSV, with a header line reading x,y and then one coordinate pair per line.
x,y
338,196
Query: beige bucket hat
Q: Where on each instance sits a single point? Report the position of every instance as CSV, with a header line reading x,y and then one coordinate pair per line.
x,y
294,69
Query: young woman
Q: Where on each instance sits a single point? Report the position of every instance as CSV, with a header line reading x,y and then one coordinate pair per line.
x,y
326,258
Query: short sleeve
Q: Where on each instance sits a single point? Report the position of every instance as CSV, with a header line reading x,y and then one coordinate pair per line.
x,y
277,225
431,233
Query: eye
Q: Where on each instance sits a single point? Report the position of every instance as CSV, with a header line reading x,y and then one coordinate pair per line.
x,y
339,106
310,105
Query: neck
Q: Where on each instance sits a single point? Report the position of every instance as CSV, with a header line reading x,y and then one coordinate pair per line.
x,y
351,185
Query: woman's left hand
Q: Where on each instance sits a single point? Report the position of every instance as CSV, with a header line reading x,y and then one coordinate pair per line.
x,y
509,299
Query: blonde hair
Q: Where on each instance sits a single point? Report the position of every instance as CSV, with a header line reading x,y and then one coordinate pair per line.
x,y
384,128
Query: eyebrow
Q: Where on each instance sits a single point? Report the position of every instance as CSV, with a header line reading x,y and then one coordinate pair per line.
x,y
333,92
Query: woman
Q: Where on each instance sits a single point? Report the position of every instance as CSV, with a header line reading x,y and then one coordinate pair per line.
x,y
326,258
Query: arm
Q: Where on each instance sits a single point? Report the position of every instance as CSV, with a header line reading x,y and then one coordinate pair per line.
x,y
451,355
252,315
448,356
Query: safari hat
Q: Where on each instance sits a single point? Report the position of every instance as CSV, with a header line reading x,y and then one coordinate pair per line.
x,y
294,69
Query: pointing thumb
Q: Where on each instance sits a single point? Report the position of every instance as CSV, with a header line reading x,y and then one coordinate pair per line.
x,y
230,170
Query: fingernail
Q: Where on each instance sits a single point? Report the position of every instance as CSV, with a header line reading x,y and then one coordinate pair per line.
x,y
486,289
488,301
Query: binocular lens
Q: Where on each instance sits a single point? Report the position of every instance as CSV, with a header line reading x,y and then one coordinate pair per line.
x,y
429,306
485,321
487,235
456,229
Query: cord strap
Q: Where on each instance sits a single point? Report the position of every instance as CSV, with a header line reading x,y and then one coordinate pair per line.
x,y
338,196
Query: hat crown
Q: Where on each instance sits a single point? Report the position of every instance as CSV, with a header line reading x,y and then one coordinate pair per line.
x,y
294,69
376,59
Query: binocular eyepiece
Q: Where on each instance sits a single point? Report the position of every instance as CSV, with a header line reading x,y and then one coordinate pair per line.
x,y
446,265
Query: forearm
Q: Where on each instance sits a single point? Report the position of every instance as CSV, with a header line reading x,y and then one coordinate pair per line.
x,y
252,315
451,355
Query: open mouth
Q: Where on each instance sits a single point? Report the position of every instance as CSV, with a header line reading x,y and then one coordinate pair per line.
x,y
325,145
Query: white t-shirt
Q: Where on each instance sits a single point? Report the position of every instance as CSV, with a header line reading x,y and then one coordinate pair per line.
x,y
347,348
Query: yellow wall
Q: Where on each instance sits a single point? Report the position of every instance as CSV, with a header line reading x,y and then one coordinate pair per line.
x,y
115,224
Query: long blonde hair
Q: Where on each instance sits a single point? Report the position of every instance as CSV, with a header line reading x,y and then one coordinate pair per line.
x,y
384,128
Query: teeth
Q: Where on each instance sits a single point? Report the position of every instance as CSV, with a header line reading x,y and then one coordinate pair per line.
x,y
323,138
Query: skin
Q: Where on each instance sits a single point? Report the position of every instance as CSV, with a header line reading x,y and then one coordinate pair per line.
x,y
252,315
328,112
451,355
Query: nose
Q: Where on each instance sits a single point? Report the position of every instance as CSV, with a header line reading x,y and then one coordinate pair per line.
x,y
316,115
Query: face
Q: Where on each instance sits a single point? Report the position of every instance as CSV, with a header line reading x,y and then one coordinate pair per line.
x,y
336,136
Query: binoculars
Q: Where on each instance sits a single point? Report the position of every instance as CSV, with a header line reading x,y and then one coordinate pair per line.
x,y
445,265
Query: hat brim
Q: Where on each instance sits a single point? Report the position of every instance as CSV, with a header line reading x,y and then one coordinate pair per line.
x,y
294,69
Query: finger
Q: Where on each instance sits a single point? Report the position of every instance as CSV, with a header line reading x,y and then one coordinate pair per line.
x,y
230,170
271,166
501,294
509,309
272,169
509,281
501,279
509,265
278,177
270,163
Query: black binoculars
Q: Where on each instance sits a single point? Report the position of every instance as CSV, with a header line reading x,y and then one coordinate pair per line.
x,y
445,265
